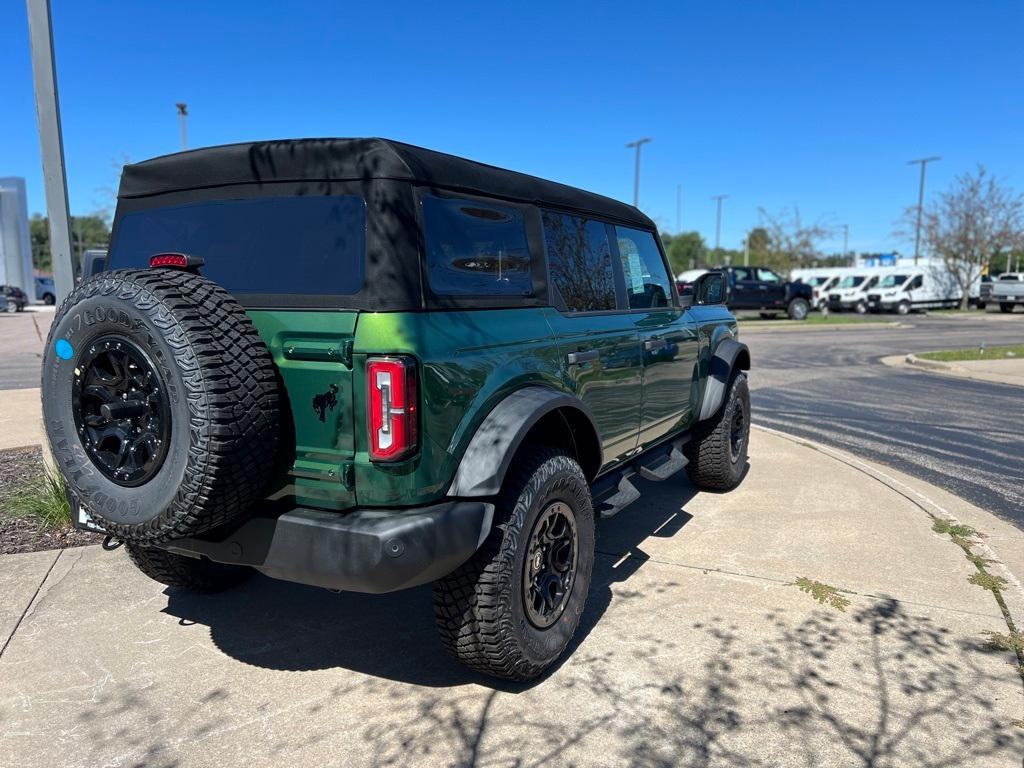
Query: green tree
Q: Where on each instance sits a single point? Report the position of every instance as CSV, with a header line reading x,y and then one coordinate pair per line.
x,y
687,250
86,232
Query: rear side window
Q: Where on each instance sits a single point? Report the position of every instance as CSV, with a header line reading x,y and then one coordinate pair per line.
x,y
580,262
647,282
476,248
268,245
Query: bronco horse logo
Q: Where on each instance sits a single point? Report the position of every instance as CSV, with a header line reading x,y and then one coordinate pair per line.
x,y
324,401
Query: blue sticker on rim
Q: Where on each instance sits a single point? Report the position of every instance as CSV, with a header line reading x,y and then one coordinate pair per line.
x,y
64,349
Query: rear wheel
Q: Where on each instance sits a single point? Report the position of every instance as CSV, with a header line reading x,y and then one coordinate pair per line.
x,y
1005,307
719,457
512,609
11,306
798,309
188,573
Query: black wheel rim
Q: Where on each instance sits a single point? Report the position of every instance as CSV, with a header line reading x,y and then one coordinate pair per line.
x,y
549,569
121,410
737,432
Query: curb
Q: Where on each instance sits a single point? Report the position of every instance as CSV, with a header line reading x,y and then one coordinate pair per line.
x,y
949,369
768,327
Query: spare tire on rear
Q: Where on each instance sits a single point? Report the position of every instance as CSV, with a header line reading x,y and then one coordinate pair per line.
x,y
161,404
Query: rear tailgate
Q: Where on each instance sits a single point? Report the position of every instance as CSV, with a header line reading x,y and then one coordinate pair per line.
x,y
313,352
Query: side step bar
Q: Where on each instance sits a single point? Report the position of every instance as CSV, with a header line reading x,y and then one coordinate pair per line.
x,y
615,491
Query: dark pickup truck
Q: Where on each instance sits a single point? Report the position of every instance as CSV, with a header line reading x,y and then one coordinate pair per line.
x,y
763,289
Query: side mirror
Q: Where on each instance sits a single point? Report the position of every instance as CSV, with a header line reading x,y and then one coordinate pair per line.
x,y
710,288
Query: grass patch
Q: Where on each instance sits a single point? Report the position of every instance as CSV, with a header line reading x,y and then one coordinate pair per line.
x,y
43,500
953,529
816,318
823,593
997,352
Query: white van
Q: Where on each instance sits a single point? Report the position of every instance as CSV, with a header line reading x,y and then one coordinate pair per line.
x,y
851,292
914,288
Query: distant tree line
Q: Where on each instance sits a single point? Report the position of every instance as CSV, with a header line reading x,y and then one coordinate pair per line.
x,y
86,232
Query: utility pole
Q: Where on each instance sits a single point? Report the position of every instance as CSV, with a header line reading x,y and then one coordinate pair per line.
x,y
636,173
846,237
718,220
679,208
746,250
44,72
920,202
182,114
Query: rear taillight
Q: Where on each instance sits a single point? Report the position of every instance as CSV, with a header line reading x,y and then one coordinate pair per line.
x,y
391,407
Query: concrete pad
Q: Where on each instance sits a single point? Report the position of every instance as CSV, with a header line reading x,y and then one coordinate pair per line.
x,y
21,418
696,650
20,577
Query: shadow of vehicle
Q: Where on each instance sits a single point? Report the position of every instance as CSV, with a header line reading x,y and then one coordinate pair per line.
x,y
284,626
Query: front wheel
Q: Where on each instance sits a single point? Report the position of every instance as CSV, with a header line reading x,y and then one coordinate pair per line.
x,y
719,458
12,306
512,609
798,309
862,308
49,299
903,308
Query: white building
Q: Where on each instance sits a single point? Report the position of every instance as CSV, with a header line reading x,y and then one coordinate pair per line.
x,y
15,243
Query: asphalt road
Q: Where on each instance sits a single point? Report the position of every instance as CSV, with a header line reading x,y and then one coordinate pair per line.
x,y
964,436
826,385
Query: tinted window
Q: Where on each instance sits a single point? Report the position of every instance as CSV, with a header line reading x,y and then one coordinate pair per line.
x,y
891,280
767,276
742,273
475,248
306,245
647,283
580,262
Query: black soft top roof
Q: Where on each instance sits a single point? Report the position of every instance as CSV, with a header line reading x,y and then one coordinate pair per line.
x,y
296,160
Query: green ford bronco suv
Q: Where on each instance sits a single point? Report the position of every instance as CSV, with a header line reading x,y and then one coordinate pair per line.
x,y
362,365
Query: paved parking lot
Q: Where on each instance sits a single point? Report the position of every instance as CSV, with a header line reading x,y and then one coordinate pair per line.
x,y
696,649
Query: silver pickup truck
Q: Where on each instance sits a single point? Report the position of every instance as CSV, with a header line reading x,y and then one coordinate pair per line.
x,y
1008,290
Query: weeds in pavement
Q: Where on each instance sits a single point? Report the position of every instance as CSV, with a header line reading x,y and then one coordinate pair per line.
x,y
43,499
954,529
987,581
823,593
1014,641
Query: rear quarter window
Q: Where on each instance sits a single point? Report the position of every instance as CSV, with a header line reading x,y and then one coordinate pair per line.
x,y
273,245
476,248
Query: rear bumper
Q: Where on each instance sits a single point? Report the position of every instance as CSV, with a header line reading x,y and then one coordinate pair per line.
x,y
366,550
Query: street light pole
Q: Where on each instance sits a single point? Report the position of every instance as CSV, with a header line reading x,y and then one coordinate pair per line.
x,y
182,114
636,173
846,237
920,202
44,71
718,220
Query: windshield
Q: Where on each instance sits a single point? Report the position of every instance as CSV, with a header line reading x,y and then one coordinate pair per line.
x,y
816,281
851,281
892,281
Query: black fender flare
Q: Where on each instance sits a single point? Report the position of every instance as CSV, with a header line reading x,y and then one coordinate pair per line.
x,y
729,356
489,453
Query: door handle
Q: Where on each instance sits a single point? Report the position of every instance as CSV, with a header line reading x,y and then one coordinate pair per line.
x,y
575,358
652,344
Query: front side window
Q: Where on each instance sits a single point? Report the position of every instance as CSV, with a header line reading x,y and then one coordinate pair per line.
x,y
767,276
743,274
580,262
476,248
647,282
851,281
892,280
263,245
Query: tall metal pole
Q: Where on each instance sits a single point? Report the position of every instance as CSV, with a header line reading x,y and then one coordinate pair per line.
x,y
182,114
846,237
636,173
920,202
51,141
718,219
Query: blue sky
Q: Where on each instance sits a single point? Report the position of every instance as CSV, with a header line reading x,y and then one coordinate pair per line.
x,y
817,105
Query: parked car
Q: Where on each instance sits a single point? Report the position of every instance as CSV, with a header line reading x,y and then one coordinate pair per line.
x,y
45,292
1008,290
433,370
762,289
851,293
15,299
